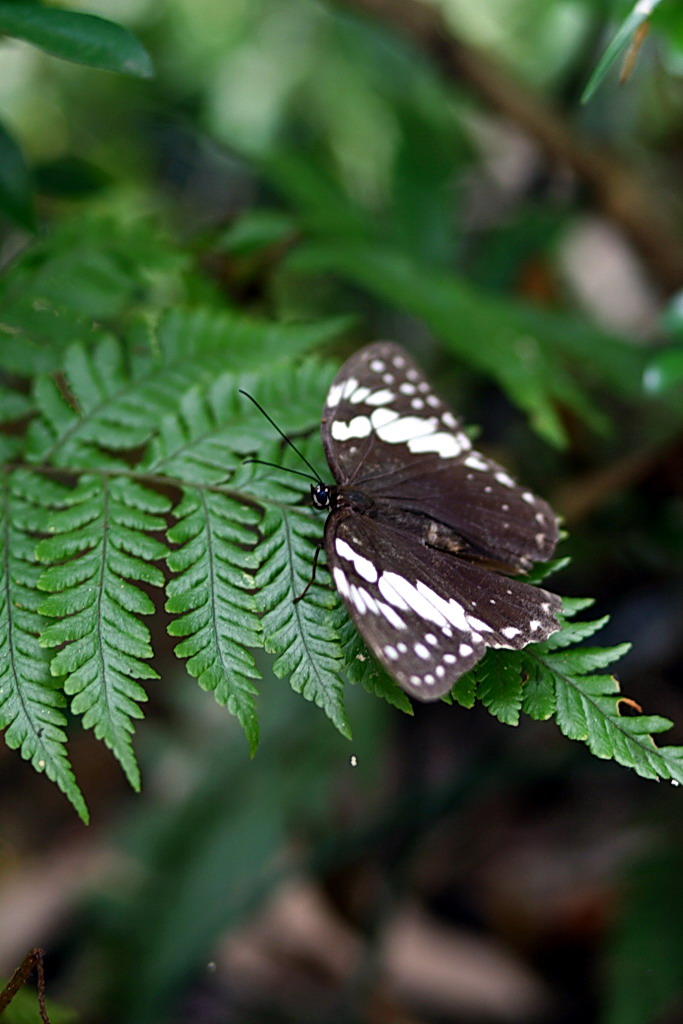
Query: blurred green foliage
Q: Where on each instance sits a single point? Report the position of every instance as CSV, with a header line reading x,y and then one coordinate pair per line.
x,y
294,180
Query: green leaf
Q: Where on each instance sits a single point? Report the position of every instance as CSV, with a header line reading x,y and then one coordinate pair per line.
x,y
499,684
120,395
464,692
24,1009
206,440
305,633
644,979
88,270
639,13
361,668
530,353
81,38
588,706
30,699
210,595
16,186
102,546
665,371
538,698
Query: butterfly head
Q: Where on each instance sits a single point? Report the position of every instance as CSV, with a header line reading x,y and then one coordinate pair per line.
x,y
322,496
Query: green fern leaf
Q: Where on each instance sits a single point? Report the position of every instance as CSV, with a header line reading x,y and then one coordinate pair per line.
x,y
304,634
361,668
571,606
240,343
464,692
584,659
587,707
101,543
211,597
499,684
118,393
30,701
13,405
574,632
538,697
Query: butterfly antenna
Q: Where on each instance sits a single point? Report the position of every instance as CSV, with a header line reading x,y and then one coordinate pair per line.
x,y
289,441
286,469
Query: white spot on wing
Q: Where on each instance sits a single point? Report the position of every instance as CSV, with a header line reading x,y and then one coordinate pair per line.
x,y
349,387
510,632
465,651
504,479
391,653
340,581
421,651
333,395
475,461
380,417
377,365
478,625
406,388
445,445
388,590
369,601
405,428
359,395
380,397
393,619
363,566
359,426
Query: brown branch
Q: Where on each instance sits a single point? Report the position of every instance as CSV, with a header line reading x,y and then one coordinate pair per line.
x,y
616,190
32,961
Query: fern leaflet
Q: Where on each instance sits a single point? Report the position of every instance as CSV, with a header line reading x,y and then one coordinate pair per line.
x,y
553,678
304,634
211,597
30,699
101,543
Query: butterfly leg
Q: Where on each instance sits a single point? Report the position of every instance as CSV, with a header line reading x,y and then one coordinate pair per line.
x,y
308,586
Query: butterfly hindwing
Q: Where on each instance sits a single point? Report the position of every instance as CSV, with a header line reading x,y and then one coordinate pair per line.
x,y
427,616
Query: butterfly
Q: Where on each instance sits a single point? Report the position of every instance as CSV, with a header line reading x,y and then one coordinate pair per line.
x,y
424,533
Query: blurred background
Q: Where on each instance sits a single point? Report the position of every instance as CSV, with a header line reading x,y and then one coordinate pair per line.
x,y
427,168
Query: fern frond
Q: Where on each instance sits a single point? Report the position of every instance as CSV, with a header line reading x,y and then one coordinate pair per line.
x,y
303,634
30,700
239,343
556,678
100,550
117,393
211,597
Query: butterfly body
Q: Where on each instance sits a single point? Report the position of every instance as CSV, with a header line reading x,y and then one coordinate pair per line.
x,y
421,528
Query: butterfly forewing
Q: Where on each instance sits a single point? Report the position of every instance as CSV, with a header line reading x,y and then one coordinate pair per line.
x,y
419,519
386,432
